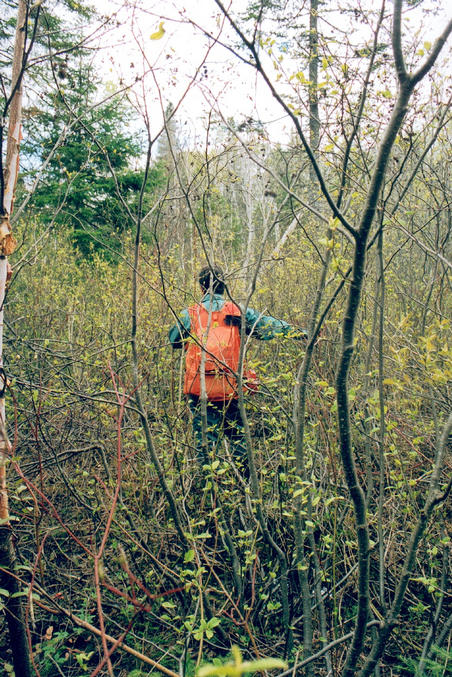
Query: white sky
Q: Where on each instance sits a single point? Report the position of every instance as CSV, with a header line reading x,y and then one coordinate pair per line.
x,y
175,59
128,51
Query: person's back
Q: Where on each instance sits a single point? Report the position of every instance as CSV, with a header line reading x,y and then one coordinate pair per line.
x,y
212,353
210,333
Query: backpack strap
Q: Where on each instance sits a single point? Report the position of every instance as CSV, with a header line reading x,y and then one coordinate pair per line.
x,y
231,308
198,311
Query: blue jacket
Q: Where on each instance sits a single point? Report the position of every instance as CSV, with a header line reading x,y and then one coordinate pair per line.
x,y
262,327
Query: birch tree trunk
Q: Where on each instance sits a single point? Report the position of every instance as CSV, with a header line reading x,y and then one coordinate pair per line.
x,y
13,607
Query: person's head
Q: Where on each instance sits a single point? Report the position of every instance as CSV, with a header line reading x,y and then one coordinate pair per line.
x,y
212,278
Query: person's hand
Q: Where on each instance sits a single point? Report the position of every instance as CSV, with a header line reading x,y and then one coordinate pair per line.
x,y
9,271
299,335
320,336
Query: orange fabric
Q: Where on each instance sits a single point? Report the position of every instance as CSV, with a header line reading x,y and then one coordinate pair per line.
x,y
220,343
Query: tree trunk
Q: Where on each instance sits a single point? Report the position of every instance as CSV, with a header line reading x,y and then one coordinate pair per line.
x,y
13,607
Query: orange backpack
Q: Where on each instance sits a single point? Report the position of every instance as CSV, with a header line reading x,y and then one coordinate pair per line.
x,y
220,342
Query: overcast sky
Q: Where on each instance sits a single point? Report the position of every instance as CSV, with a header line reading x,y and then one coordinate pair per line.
x,y
128,51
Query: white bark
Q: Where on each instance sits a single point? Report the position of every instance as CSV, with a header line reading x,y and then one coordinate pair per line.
x,y
7,242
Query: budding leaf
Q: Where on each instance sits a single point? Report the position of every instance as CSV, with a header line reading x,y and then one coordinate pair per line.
x,y
158,34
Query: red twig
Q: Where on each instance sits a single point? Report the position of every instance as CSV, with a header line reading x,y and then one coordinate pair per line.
x,y
121,398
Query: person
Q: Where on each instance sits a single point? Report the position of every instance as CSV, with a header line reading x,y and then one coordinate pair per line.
x,y
210,333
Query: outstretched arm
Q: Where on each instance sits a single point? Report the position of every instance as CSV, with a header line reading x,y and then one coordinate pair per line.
x,y
266,327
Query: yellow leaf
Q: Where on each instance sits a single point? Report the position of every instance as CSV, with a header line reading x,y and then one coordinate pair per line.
x,y
300,77
158,34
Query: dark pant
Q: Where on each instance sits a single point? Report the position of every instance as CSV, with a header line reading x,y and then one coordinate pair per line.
x,y
222,418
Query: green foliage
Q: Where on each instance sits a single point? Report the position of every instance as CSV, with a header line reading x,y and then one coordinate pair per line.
x,y
81,150
238,667
435,666
88,186
56,648
81,467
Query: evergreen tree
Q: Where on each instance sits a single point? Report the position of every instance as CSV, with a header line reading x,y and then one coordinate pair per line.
x,y
80,152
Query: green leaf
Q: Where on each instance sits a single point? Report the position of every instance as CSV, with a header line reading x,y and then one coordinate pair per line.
x,y
390,382
213,622
189,556
237,669
264,664
7,520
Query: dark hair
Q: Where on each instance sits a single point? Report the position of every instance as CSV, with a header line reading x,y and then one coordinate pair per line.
x,y
212,277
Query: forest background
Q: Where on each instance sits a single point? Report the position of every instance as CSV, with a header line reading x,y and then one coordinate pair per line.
x,y
118,555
